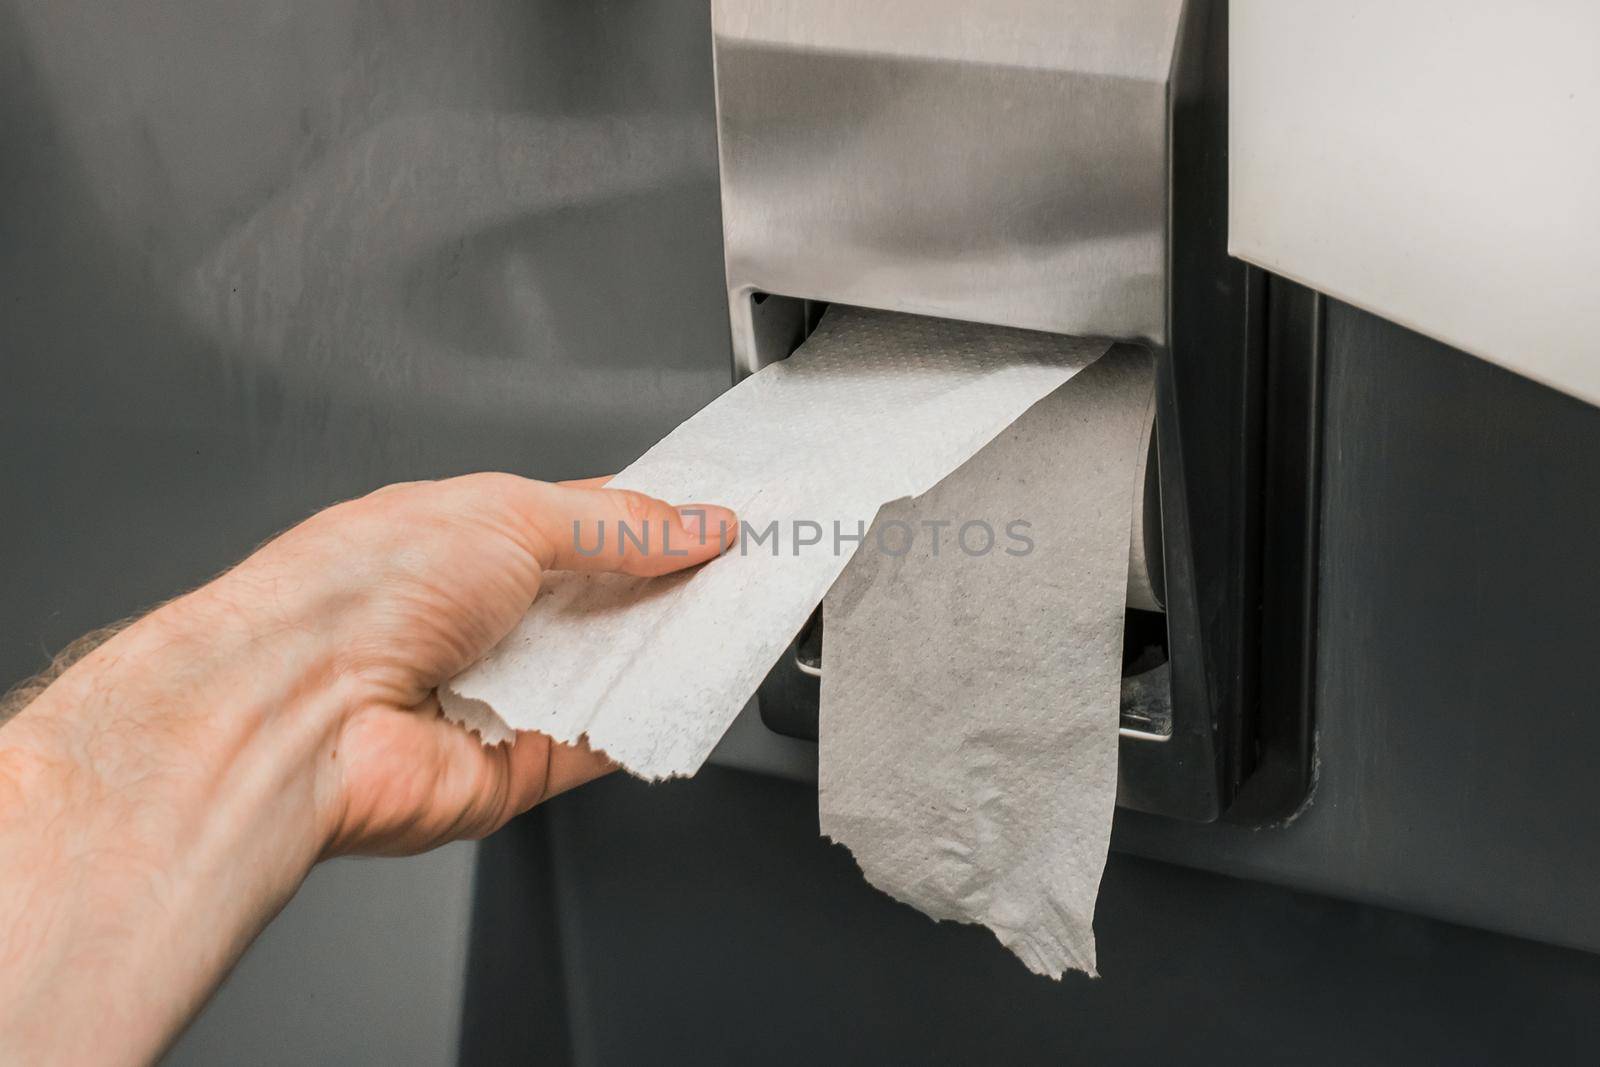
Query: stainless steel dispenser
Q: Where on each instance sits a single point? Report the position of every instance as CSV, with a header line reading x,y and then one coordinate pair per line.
x,y
1002,162
1045,164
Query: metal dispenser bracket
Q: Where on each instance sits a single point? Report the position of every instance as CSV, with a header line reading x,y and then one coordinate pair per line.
x,y
1053,165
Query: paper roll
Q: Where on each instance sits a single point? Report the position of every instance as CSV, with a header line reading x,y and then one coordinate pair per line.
x,y
1146,576
969,711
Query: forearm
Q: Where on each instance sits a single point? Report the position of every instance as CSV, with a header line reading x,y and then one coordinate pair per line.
x,y
158,804
162,798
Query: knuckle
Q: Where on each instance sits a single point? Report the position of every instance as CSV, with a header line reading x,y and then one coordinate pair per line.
x,y
489,481
638,508
399,488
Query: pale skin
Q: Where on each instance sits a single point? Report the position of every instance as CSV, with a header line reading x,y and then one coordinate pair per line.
x,y
164,797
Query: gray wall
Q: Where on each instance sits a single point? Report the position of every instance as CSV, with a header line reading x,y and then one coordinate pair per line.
x,y
261,255
365,967
706,922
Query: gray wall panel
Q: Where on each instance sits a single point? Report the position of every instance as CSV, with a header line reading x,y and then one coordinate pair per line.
x,y
363,968
705,921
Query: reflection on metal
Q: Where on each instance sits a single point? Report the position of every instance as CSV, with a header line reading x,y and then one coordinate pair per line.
x,y
1002,162
1147,705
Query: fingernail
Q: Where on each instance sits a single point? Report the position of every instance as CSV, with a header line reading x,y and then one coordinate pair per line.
x,y
708,524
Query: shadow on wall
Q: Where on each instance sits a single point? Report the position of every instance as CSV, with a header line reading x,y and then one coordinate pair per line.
x,y
263,257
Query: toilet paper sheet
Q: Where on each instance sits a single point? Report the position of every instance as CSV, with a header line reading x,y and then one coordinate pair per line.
x,y
874,407
970,701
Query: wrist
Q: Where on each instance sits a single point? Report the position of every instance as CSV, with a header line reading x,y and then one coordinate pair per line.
x,y
176,769
198,696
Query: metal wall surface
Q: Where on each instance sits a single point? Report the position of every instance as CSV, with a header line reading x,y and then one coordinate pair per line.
x,y
257,257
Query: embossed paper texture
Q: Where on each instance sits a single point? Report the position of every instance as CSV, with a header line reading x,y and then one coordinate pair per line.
x,y
970,701
874,407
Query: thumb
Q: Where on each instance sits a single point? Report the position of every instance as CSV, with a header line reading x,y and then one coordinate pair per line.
x,y
592,529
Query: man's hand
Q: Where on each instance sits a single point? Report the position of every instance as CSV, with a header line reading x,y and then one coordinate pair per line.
x,y
165,796
408,587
